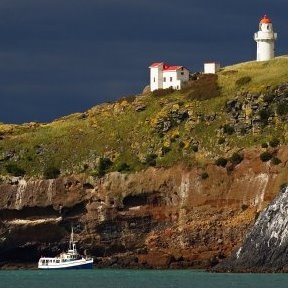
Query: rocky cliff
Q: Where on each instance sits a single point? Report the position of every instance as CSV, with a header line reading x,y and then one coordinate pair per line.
x,y
265,246
159,218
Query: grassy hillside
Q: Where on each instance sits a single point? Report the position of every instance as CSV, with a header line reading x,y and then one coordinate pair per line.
x,y
194,125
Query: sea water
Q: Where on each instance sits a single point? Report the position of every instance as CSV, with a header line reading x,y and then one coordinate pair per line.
x,y
105,278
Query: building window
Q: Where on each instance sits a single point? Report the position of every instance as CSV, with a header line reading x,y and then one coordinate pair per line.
x,y
170,79
154,79
164,79
182,73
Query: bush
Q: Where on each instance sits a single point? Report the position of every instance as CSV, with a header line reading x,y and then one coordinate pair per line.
x,y
181,144
265,156
268,98
264,145
162,92
275,161
243,131
227,129
165,150
282,108
123,167
274,142
221,162
85,167
221,140
15,170
242,81
244,207
104,165
51,172
206,87
264,116
236,158
151,159
194,148
204,175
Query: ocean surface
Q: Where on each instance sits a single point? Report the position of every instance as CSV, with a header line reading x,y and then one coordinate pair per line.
x,y
104,278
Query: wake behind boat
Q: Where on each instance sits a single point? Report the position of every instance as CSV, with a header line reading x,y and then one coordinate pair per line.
x,y
67,260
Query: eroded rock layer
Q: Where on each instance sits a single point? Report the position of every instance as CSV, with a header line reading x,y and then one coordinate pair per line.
x,y
158,218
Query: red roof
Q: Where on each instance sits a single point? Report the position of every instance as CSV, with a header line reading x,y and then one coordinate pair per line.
x,y
155,64
166,66
172,68
265,19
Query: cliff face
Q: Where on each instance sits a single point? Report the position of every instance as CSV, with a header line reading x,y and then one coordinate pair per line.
x,y
265,246
156,218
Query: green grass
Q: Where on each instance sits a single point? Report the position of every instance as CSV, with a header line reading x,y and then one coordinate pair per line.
x,y
76,142
263,75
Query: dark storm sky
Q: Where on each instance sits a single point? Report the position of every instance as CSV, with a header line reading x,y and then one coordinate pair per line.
x,y
58,57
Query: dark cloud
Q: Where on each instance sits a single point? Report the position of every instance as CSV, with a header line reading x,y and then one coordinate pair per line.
x,y
59,57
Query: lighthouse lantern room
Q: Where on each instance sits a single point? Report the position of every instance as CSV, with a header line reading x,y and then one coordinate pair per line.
x,y
265,39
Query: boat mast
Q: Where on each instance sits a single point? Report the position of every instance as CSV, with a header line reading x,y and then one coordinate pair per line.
x,y
72,246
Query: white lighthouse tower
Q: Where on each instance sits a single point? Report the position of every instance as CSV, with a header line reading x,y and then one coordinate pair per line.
x,y
265,39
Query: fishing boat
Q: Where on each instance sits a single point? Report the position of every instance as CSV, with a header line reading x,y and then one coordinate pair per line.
x,y
67,260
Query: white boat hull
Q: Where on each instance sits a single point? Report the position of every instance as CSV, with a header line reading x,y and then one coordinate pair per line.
x,y
44,263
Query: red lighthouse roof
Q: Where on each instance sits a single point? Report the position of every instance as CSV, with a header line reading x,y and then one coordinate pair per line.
x,y
265,19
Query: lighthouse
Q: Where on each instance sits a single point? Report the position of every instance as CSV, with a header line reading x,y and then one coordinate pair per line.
x,y
265,39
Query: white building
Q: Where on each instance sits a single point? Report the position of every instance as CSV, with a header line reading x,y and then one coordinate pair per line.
x,y
164,76
211,68
265,39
